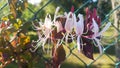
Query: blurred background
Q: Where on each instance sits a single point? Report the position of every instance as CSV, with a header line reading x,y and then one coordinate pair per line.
x,y
28,11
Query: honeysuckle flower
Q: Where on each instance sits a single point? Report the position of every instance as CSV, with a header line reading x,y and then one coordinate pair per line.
x,y
45,30
93,28
88,31
64,23
65,27
98,34
70,24
79,29
46,26
59,20
59,31
96,30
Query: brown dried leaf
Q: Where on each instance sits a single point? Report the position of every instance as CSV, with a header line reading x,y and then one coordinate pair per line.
x,y
58,55
87,48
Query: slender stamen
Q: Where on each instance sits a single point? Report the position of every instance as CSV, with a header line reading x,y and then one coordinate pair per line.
x,y
99,45
81,43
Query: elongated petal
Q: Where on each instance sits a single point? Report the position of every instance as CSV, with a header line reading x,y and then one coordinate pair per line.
x,y
48,25
87,12
99,45
55,15
105,28
94,14
78,43
75,21
66,38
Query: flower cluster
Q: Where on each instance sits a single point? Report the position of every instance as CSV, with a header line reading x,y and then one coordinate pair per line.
x,y
85,31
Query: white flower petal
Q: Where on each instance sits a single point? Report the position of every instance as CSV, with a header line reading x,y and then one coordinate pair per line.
x,y
40,24
80,25
74,19
105,28
55,15
78,43
59,26
65,13
99,45
48,23
95,28
66,38
69,22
